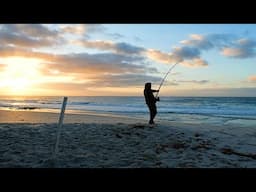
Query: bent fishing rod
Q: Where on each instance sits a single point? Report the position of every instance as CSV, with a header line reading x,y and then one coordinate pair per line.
x,y
165,78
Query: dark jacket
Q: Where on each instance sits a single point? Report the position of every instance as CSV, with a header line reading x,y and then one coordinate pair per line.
x,y
148,94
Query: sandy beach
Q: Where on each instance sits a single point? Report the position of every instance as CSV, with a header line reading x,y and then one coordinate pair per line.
x,y
100,141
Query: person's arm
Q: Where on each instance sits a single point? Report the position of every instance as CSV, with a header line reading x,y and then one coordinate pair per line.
x,y
153,90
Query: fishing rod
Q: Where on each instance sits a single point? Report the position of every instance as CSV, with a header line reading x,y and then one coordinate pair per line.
x,y
165,78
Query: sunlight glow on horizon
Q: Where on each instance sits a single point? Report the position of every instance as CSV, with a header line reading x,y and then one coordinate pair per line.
x,y
19,75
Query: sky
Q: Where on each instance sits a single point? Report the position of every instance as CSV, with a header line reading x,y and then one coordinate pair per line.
x,y
118,59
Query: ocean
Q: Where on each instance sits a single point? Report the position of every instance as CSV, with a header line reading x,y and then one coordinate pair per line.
x,y
239,111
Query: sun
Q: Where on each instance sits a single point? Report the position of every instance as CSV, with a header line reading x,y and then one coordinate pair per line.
x,y
19,75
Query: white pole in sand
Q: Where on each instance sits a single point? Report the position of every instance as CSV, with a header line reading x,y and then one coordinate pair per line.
x,y
60,125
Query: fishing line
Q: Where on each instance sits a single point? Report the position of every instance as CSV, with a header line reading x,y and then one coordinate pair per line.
x,y
165,78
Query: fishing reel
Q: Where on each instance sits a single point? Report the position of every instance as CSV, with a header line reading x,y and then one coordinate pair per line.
x,y
157,99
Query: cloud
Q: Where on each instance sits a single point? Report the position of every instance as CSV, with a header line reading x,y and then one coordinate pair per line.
x,y
85,66
186,52
192,48
209,41
161,57
124,80
199,41
129,49
73,29
186,55
242,48
28,35
197,62
37,30
10,51
179,54
106,69
228,44
252,78
105,80
101,70
249,43
122,48
81,29
237,52
97,64
23,41
101,45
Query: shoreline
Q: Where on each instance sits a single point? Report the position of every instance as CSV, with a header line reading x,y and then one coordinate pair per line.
x,y
38,117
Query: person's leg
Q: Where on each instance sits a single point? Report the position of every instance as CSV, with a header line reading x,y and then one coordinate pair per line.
x,y
151,111
154,112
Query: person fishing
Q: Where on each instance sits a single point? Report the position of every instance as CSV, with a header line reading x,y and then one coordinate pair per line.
x,y
151,101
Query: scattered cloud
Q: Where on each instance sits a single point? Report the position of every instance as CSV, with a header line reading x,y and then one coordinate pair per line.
x,y
105,80
197,62
206,42
161,57
28,35
186,53
117,64
189,53
178,55
229,45
81,29
236,52
10,51
198,41
122,48
95,63
242,48
124,80
32,30
73,29
99,70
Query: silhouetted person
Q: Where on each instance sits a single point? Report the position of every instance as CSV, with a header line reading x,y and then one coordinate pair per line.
x,y
150,101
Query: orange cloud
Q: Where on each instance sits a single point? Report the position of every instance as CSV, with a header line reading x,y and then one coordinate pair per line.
x,y
74,29
197,62
161,57
81,29
9,51
232,52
